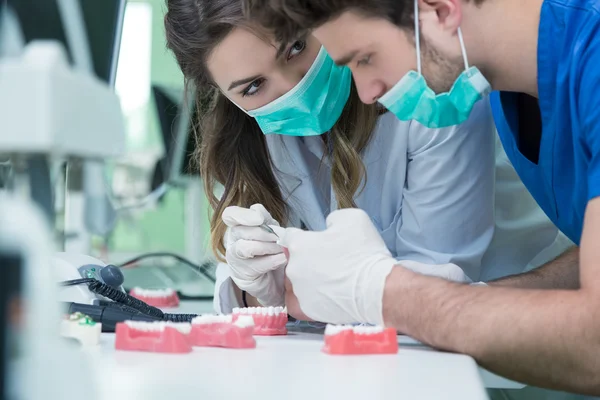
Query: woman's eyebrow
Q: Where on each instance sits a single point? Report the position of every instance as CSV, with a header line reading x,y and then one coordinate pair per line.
x,y
239,82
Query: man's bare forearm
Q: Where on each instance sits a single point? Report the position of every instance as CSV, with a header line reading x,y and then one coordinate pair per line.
x,y
560,273
525,335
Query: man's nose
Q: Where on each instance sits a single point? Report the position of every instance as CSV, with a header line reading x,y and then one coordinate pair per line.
x,y
369,90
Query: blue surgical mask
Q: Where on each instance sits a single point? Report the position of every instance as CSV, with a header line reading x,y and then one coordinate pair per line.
x,y
311,107
412,99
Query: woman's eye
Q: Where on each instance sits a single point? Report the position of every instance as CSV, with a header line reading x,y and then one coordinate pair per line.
x,y
252,88
297,48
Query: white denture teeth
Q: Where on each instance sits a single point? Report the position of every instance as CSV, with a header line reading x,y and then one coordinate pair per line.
x,y
367,330
335,329
212,319
153,292
158,326
359,330
244,321
260,310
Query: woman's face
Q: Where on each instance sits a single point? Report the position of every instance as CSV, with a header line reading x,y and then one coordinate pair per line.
x,y
249,71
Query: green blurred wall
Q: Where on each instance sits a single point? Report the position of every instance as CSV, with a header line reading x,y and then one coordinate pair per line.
x,y
161,229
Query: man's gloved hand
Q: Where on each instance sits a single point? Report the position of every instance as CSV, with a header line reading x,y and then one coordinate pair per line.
x,y
256,260
339,274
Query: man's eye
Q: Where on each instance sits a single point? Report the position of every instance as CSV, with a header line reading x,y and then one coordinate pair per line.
x,y
297,48
364,61
252,88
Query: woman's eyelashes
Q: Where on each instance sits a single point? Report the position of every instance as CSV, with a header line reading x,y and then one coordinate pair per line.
x,y
254,87
296,48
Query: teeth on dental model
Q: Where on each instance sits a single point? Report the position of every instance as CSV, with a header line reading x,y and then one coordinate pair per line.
x,y
244,321
260,310
153,292
212,319
157,326
359,330
335,329
367,330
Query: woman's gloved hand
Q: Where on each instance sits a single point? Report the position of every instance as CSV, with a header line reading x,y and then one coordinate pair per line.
x,y
256,260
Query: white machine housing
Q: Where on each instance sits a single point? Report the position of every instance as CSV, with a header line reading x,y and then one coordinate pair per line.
x,y
48,107
24,232
68,266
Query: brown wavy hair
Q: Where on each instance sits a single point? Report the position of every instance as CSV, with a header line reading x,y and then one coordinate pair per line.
x,y
287,19
232,150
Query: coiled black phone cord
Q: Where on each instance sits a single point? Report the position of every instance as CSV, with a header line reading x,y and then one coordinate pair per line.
x,y
118,296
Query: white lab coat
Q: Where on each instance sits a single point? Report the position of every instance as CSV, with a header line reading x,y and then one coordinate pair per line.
x,y
435,195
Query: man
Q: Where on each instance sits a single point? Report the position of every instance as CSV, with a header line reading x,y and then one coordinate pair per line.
x,y
544,57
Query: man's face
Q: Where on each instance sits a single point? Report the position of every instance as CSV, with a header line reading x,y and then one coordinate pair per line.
x,y
379,54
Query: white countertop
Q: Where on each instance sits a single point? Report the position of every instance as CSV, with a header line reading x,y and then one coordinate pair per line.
x,y
288,367
285,367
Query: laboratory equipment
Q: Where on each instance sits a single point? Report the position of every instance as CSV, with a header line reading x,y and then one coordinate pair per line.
x,y
82,328
185,142
103,25
268,321
71,48
108,314
156,337
41,94
178,117
69,266
167,105
223,331
30,326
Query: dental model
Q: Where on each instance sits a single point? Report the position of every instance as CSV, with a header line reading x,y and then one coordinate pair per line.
x,y
156,297
82,328
268,321
157,337
223,331
347,339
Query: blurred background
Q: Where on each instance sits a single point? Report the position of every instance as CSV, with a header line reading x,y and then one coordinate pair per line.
x,y
175,217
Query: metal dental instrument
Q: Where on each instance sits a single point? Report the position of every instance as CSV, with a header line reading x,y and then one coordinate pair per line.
x,y
269,229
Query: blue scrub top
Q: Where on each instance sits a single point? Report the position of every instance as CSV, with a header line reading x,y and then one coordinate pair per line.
x,y
567,173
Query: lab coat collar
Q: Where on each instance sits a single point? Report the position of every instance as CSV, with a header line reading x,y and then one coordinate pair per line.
x,y
295,161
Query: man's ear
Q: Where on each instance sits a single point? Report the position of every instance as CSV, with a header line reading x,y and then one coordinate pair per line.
x,y
445,14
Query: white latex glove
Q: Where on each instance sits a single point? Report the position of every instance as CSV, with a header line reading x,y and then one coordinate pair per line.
x,y
450,272
338,274
256,260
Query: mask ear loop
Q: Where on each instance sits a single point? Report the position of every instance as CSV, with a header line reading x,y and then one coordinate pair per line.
x,y
236,104
463,49
417,37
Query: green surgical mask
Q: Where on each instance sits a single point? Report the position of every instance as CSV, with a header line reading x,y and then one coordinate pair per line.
x,y
412,99
311,107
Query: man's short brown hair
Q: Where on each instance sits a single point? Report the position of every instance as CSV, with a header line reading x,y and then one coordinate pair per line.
x,y
290,19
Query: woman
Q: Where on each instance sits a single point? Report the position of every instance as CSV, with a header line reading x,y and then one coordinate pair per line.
x,y
287,134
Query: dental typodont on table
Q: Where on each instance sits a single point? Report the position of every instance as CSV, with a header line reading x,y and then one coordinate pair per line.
x,y
268,321
223,331
82,328
156,297
347,339
158,337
